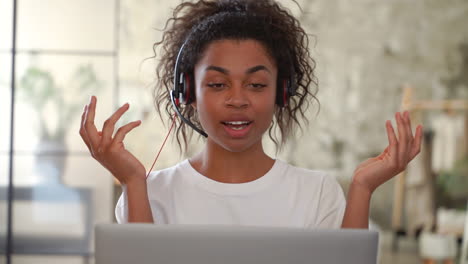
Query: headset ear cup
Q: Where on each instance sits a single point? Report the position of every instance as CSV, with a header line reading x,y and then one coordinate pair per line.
x,y
178,86
185,92
191,89
189,92
279,99
282,93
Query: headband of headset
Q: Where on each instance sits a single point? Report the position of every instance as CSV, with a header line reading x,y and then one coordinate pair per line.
x,y
184,82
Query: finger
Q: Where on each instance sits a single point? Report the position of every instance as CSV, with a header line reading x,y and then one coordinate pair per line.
x,y
393,144
90,128
123,131
416,148
82,120
409,132
82,129
402,141
109,126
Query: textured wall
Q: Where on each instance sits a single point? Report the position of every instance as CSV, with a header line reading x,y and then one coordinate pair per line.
x,y
366,51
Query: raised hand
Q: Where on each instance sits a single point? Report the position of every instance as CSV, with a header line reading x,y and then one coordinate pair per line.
x,y
110,151
375,171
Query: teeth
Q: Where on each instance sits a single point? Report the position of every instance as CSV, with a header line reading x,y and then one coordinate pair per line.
x,y
238,123
238,128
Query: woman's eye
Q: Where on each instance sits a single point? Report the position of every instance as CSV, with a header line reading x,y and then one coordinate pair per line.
x,y
216,85
257,86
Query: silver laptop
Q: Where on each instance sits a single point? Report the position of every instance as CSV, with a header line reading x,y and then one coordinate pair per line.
x,y
203,244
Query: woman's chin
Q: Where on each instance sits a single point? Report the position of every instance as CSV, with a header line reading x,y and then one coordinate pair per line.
x,y
237,145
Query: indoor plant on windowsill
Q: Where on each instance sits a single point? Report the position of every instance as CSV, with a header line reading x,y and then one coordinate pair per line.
x,y
61,103
452,195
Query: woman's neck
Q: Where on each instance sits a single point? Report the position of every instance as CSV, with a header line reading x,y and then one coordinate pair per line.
x,y
225,166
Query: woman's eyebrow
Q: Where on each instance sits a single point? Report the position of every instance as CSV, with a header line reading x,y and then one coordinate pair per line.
x,y
248,71
216,68
256,69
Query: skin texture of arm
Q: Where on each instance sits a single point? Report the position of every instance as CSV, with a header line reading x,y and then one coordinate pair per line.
x,y
139,210
375,171
357,208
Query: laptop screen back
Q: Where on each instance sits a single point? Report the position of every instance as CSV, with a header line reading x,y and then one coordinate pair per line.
x,y
202,244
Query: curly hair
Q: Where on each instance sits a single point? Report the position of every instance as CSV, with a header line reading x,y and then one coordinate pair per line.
x,y
199,23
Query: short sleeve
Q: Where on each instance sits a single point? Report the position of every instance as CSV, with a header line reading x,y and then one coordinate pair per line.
x,y
121,208
332,205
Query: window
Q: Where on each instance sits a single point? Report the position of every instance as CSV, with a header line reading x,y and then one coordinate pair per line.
x,y
65,51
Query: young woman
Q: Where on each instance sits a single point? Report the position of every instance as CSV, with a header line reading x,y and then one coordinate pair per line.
x,y
235,70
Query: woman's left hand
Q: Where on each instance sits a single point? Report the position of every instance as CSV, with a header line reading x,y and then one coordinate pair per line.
x,y
375,171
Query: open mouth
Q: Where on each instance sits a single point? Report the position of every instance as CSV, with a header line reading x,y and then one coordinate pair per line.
x,y
237,125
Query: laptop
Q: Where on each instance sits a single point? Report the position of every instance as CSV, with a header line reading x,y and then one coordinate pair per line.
x,y
223,244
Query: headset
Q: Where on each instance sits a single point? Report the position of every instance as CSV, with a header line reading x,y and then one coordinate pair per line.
x,y
184,89
183,93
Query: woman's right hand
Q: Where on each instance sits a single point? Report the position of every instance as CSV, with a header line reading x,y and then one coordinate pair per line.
x,y
110,151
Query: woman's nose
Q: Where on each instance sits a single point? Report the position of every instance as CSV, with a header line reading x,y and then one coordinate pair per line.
x,y
237,97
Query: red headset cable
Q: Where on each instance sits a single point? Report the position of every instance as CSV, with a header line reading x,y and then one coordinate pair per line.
x,y
162,146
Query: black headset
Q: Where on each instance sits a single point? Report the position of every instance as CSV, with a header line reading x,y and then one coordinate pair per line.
x,y
184,90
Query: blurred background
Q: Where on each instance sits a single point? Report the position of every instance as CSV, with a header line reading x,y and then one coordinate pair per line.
x,y
374,58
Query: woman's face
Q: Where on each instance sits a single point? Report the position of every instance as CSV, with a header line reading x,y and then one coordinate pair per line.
x,y
235,93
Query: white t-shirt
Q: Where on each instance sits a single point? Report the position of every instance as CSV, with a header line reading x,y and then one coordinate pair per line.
x,y
286,196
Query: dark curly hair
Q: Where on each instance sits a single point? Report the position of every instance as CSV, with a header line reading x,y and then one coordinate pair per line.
x,y
199,23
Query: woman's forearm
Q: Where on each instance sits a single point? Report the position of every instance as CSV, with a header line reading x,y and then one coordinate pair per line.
x,y
139,210
357,207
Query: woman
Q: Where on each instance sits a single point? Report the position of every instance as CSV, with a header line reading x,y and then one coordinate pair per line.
x,y
235,70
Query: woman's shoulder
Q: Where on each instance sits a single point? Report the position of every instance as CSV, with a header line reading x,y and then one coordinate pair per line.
x,y
309,173
167,174
309,176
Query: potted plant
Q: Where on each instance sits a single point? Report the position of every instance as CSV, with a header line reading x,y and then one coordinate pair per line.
x,y
52,100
